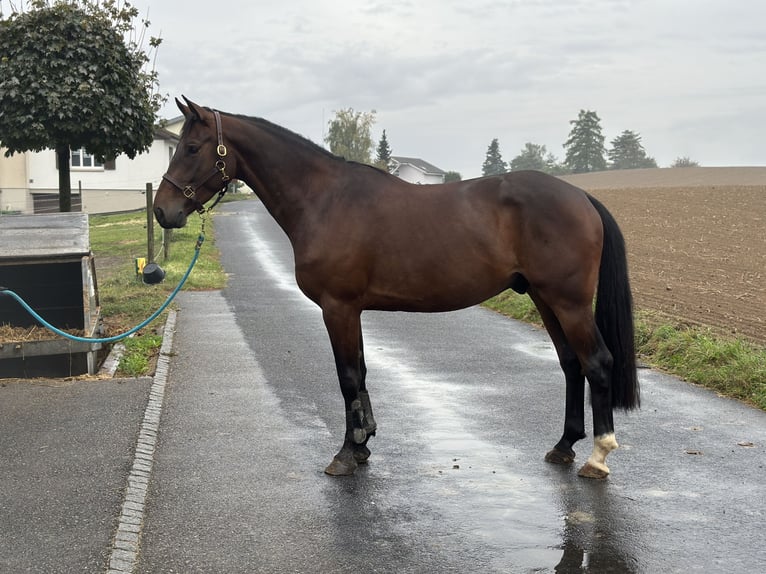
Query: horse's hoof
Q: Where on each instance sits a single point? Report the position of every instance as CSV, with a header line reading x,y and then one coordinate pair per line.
x,y
557,456
340,467
590,470
361,454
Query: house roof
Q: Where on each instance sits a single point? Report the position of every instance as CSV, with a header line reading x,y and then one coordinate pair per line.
x,y
165,134
419,164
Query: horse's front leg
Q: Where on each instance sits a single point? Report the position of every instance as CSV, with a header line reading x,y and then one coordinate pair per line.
x,y
361,452
343,324
370,426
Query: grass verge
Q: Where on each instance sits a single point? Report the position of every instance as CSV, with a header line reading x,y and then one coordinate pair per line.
x,y
116,241
733,367
140,355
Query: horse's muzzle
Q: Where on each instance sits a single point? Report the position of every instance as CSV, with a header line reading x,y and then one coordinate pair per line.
x,y
170,220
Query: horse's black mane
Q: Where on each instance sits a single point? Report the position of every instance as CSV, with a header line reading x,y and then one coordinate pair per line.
x,y
284,132
298,139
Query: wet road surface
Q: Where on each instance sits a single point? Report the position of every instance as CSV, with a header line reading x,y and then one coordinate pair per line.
x,y
467,404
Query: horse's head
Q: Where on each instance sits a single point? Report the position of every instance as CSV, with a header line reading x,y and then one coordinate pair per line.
x,y
198,168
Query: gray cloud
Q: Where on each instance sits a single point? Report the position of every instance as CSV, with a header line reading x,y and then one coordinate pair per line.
x,y
446,77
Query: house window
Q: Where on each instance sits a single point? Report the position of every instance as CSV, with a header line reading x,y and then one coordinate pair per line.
x,y
84,160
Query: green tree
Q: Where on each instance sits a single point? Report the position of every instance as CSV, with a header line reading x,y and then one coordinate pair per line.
x,y
534,156
585,146
627,152
71,77
452,176
493,162
685,161
349,135
383,158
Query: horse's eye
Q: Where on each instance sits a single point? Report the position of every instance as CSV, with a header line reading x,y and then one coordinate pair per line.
x,y
192,149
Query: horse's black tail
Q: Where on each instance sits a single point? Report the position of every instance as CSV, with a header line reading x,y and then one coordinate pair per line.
x,y
614,312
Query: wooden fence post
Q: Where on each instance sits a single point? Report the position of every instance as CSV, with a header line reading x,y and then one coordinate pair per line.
x,y
167,234
149,224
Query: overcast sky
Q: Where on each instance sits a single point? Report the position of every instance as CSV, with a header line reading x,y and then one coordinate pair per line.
x,y
446,77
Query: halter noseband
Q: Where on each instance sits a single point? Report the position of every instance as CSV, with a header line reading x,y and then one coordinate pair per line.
x,y
190,190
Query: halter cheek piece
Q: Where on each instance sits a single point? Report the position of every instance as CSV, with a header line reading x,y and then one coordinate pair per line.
x,y
190,190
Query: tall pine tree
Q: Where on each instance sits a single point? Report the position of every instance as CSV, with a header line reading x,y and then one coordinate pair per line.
x,y
493,162
627,152
383,158
585,146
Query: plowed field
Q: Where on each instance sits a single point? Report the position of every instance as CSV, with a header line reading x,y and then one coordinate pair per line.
x,y
696,242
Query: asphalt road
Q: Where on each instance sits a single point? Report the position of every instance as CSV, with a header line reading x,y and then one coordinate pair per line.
x,y
467,403
65,450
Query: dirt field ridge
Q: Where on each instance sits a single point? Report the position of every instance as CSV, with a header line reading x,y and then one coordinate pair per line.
x,y
696,241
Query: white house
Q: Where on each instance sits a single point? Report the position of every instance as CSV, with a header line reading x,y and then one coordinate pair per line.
x,y
29,181
415,170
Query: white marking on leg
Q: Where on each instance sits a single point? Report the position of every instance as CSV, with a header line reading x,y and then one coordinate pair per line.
x,y
602,446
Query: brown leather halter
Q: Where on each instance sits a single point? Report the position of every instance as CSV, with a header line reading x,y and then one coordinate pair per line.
x,y
190,190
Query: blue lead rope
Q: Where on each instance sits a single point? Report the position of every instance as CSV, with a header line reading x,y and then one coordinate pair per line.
x,y
44,323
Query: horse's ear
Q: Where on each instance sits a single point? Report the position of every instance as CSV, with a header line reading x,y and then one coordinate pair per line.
x,y
183,107
193,110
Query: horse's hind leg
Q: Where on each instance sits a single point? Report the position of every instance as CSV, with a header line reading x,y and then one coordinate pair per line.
x,y
574,414
580,329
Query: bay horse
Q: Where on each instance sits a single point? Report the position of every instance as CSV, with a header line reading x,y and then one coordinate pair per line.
x,y
365,239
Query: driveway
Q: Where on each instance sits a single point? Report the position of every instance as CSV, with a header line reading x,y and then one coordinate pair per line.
x,y
467,404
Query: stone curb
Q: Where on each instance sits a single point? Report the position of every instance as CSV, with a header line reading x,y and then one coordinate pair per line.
x,y
123,555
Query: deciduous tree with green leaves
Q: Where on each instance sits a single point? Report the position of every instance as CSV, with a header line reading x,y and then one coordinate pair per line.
x,y
349,135
685,161
534,156
74,74
627,152
493,162
585,146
